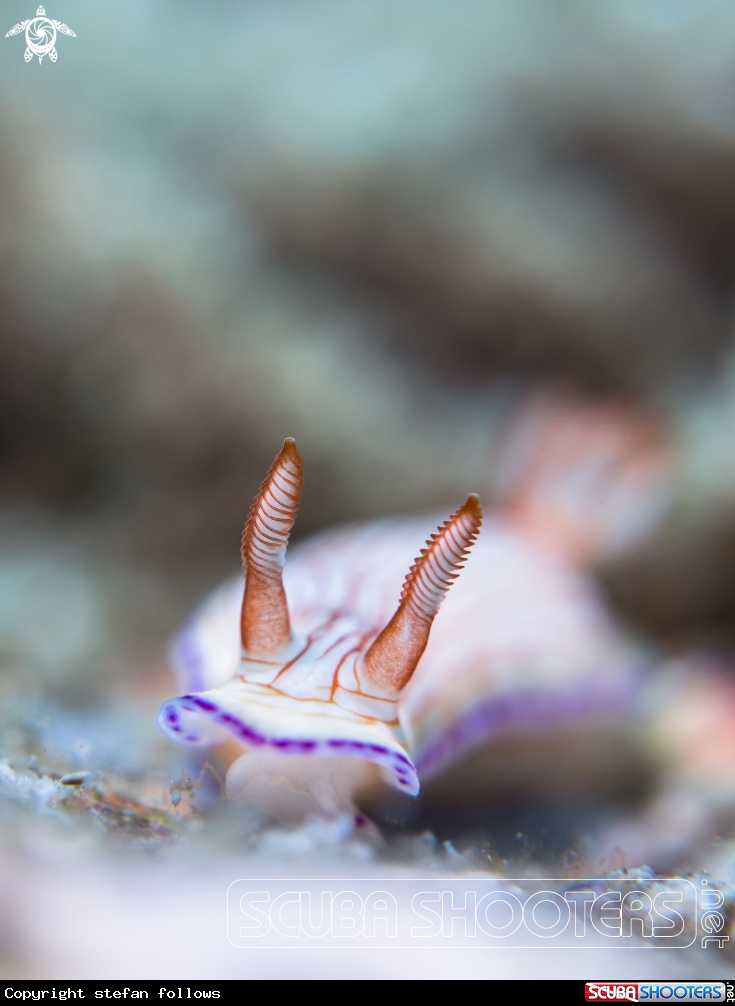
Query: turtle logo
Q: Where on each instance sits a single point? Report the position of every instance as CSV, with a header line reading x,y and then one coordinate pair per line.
x,y
40,35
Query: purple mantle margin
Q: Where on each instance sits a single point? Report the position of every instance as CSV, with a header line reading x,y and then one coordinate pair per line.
x,y
175,719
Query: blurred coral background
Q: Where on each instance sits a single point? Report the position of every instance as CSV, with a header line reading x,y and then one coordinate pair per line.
x,y
375,227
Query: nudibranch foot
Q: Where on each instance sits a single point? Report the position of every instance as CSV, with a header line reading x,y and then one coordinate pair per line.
x,y
289,788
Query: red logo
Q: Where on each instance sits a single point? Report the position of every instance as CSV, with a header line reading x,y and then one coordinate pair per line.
x,y
607,991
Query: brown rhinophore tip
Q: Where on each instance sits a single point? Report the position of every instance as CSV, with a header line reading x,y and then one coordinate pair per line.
x,y
265,625
393,657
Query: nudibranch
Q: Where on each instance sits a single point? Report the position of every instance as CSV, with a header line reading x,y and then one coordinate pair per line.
x,y
319,673
523,643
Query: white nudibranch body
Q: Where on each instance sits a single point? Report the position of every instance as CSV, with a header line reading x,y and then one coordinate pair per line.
x,y
311,667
